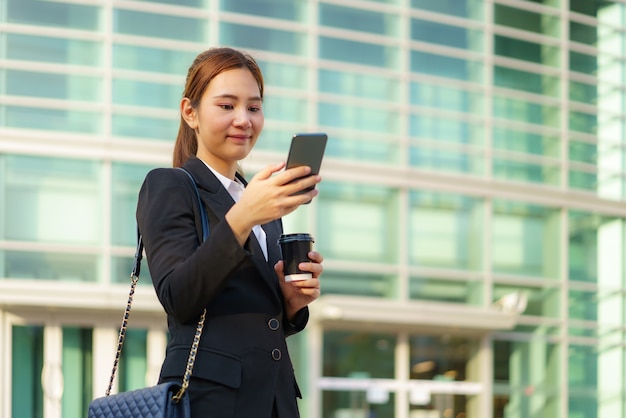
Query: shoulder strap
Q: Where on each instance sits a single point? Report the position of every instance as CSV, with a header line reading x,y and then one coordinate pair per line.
x,y
134,277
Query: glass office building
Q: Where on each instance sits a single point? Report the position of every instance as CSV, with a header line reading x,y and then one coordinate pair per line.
x,y
476,168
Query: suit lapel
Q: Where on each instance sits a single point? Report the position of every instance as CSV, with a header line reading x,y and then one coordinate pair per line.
x,y
219,201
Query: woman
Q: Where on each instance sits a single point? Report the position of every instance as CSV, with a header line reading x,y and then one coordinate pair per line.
x,y
243,367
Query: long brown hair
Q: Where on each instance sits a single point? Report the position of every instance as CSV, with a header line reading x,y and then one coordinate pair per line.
x,y
205,67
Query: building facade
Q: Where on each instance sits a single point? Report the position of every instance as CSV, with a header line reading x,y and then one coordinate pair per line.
x,y
472,213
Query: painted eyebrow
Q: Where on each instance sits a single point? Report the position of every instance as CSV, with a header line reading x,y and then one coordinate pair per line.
x,y
233,97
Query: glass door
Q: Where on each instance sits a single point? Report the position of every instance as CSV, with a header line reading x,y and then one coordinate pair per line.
x,y
56,366
399,375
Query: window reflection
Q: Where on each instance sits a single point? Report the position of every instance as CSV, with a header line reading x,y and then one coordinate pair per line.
x,y
52,13
358,52
77,371
358,355
525,239
358,19
52,200
281,9
445,230
357,222
53,86
51,266
159,60
155,25
51,49
357,84
448,35
266,39
26,365
126,180
462,8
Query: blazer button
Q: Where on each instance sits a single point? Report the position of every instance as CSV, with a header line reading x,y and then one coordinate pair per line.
x,y
273,324
276,354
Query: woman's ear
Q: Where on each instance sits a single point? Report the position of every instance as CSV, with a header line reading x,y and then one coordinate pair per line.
x,y
188,113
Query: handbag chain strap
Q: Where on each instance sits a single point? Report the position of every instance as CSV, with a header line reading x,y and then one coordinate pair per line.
x,y
134,278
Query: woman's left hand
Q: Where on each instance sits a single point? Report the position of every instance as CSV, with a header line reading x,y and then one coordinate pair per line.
x,y
300,293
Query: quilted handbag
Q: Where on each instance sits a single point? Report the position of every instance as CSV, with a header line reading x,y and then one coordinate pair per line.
x,y
166,400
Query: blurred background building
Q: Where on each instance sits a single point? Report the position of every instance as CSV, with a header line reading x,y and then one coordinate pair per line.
x,y
476,168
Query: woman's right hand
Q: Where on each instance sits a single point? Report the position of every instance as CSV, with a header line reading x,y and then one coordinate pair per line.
x,y
268,197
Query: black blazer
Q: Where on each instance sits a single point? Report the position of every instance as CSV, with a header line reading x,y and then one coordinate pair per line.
x,y
242,351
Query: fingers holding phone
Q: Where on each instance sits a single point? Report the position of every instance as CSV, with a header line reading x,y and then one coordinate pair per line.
x,y
307,150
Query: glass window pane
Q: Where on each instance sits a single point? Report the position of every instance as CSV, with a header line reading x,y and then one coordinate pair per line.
x,y
358,355
583,122
445,97
462,8
584,34
594,243
360,284
155,25
125,184
467,292
357,84
447,35
518,140
357,222
444,66
583,305
52,119
526,20
583,63
266,39
444,358
52,266
77,371
283,74
286,108
158,60
188,3
27,365
52,13
506,107
53,86
358,52
432,156
133,364
294,10
445,231
52,50
526,171
526,81
358,19
52,200
595,7
140,93
359,117
355,404
527,51
525,239
583,92
143,127
365,147
526,391
583,152
583,180
448,129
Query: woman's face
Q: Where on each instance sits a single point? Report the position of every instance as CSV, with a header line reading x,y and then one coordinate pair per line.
x,y
228,119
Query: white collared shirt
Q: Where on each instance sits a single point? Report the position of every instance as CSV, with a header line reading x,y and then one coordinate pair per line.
x,y
235,189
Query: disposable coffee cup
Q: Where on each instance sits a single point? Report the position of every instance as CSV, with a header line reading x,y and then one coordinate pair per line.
x,y
295,250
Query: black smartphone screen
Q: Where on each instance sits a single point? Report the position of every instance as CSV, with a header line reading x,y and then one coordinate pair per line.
x,y
307,149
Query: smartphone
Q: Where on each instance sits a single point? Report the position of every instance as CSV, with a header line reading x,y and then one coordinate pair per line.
x,y
307,149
